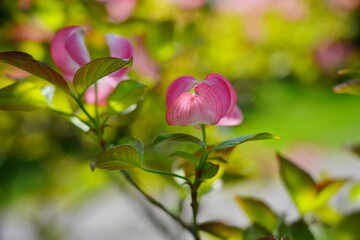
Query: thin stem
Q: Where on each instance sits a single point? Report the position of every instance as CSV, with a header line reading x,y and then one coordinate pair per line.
x,y
203,131
165,173
195,209
155,202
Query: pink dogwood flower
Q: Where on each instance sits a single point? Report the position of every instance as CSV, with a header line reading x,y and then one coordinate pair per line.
x,y
211,101
69,53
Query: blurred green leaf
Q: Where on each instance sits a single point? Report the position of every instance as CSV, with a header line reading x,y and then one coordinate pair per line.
x,y
221,230
266,238
185,155
177,137
351,87
299,184
160,40
355,149
258,212
238,140
39,69
349,71
21,96
348,228
327,189
98,68
128,155
210,170
300,231
125,94
256,231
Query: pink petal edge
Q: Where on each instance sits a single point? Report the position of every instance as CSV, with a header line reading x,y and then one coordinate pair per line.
x,y
179,86
120,47
233,118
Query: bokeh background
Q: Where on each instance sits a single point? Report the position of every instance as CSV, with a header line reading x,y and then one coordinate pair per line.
x,y
282,57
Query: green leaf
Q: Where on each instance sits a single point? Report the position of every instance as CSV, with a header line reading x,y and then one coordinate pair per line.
x,y
96,69
258,212
127,155
221,230
210,170
21,96
327,190
299,184
351,87
355,149
349,71
238,140
185,155
300,231
348,228
256,231
135,143
39,69
125,94
177,137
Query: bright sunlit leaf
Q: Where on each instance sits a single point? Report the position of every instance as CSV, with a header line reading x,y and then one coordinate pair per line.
x,y
125,156
97,69
258,212
39,69
177,137
126,94
327,190
351,87
221,230
299,184
21,96
239,140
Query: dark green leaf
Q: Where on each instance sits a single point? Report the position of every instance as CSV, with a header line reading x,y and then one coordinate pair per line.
x,y
256,231
348,228
39,69
300,231
21,96
221,230
210,170
238,140
128,155
266,238
351,87
96,69
126,94
355,149
177,137
258,212
299,184
185,155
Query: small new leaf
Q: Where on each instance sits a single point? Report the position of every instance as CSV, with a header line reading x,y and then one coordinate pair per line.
x,y
97,69
125,94
221,230
351,87
210,170
177,137
239,140
39,69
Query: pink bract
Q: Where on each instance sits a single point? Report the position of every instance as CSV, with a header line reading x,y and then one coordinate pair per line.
x,y
69,53
212,101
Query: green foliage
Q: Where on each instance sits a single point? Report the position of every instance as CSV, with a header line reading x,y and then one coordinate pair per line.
x,y
177,137
125,156
21,96
209,170
351,87
91,72
239,140
221,230
348,228
185,155
125,94
37,68
258,212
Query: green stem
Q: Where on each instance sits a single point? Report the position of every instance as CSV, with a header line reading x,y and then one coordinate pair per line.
x,y
155,202
195,209
165,173
203,131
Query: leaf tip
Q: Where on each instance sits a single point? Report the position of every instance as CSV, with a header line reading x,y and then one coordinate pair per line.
x,y
92,166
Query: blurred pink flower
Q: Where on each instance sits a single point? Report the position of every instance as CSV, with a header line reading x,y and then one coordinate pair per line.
x,y
212,101
292,10
347,5
119,10
330,56
69,52
190,4
145,64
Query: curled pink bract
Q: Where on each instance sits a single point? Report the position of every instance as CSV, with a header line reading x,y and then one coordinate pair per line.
x,y
69,53
211,101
